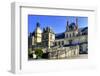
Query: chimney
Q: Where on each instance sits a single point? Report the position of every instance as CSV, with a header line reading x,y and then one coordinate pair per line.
x,y
76,22
67,27
37,24
67,23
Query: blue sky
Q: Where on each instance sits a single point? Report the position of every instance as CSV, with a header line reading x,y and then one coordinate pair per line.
x,y
57,23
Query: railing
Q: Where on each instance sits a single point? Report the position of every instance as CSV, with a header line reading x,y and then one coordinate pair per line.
x,y
58,52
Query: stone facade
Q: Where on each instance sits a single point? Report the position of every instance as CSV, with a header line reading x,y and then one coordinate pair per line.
x,y
70,43
65,52
48,37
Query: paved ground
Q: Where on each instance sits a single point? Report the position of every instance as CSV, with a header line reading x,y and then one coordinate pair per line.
x,y
81,56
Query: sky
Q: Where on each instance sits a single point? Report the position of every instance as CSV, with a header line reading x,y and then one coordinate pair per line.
x,y
57,23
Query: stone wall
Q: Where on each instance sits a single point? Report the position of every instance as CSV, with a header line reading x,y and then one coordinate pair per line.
x,y
65,52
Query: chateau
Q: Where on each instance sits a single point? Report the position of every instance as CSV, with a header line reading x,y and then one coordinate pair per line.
x,y
72,42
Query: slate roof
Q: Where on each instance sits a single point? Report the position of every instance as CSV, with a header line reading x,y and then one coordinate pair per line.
x,y
60,36
33,33
83,30
72,26
48,29
67,45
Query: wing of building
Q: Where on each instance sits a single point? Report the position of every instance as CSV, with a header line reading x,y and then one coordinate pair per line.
x,y
73,36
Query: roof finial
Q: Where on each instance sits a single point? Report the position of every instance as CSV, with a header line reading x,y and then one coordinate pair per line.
x,y
67,21
67,27
76,21
37,24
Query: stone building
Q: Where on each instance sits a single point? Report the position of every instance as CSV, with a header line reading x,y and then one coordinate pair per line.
x,y
72,42
37,36
69,36
73,35
48,37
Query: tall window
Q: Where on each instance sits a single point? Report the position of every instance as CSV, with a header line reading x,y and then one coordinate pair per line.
x,y
70,35
74,53
55,43
59,42
50,36
70,41
73,34
66,35
62,42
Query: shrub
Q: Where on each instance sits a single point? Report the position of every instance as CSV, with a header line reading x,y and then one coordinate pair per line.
x,y
30,52
39,53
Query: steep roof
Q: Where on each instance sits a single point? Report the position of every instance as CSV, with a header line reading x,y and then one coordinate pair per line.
x,y
67,45
84,30
71,27
48,29
60,36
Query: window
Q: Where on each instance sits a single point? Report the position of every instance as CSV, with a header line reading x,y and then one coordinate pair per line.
x,y
73,34
62,42
74,53
50,36
70,41
66,35
55,43
59,42
69,35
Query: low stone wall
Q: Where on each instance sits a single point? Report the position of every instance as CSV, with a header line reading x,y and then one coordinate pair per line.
x,y
65,52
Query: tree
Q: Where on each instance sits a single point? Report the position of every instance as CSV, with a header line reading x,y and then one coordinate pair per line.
x,y
30,52
39,53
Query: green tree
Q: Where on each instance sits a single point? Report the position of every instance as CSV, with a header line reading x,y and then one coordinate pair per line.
x,y
30,52
39,53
